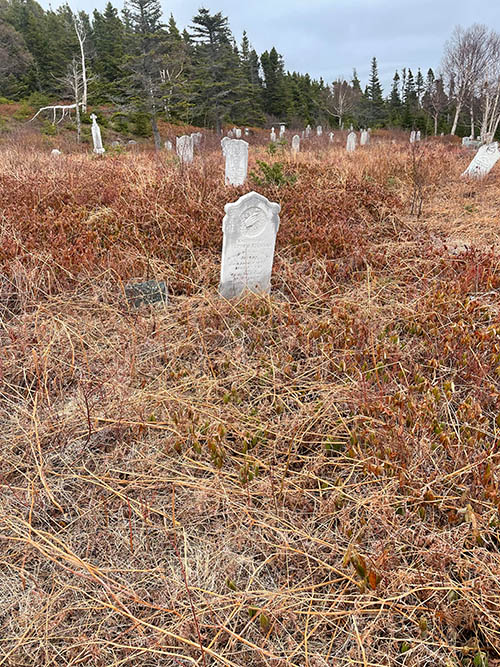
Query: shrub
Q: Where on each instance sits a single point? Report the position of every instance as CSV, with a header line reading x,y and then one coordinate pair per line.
x,y
272,174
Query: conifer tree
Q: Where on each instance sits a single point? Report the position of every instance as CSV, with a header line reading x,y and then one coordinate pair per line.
x,y
275,99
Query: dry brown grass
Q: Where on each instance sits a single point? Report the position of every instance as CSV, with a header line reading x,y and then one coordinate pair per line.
x,y
309,478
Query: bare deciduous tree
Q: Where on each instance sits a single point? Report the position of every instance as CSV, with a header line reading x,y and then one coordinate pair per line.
x,y
435,101
340,99
489,92
82,36
465,61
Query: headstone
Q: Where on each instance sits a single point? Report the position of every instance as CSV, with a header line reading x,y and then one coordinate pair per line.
x,y
484,161
273,134
249,230
96,136
296,143
282,130
115,144
330,136
365,138
238,133
303,134
442,134
247,131
413,137
418,136
351,142
236,153
55,152
230,134
131,142
197,136
319,130
184,147
168,145
223,142
308,131
150,292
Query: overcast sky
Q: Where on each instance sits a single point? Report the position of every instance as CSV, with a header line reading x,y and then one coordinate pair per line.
x,y
329,37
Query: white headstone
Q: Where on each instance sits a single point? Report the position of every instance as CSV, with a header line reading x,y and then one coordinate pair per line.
x,y
413,137
230,134
319,130
303,133
365,138
296,143
223,142
96,136
168,145
249,230
184,147
238,133
55,152
273,134
247,131
308,131
197,136
330,136
236,153
484,161
352,140
418,136
282,130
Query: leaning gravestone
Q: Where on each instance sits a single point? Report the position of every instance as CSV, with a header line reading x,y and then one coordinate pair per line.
x,y
250,227
351,142
296,143
184,147
236,153
150,292
484,161
96,136
365,138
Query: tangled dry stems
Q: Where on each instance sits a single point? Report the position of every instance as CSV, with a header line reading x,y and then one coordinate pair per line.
x,y
309,478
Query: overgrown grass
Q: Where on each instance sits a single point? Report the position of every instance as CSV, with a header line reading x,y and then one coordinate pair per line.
x,y
309,478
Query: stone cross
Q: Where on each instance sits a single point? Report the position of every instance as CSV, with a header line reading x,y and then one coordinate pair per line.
x,y
96,136
296,143
365,138
249,230
484,161
184,147
273,134
413,137
236,153
237,133
319,130
352,140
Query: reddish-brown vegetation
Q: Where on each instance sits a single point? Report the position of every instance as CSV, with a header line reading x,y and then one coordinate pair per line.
x,y
309,478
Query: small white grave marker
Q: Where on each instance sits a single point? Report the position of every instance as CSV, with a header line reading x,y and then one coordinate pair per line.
x,y
184,147
238,133
250,227
319,130
418,136
352,140
168,145
330,136
308,131
296,143
96,136
55,152
282,130
273,134
413,137
484,161
247,131
236,153
365,138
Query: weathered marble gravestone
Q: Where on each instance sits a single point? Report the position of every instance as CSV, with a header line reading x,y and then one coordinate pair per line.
x,y
250,227
303,134
223,142
168,145
296,143
484,161
230,134
184,146
197,137
55,152
319,130
282,130
150,292
364,138
273,135
330,136
238,133
96,136
236,153
308,131
413,137
352,140
418,136
247,131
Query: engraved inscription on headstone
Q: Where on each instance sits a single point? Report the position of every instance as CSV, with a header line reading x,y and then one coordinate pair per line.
x,y
351,142
250,227
96,136
184,146
236,153
484,161
150,292
296,143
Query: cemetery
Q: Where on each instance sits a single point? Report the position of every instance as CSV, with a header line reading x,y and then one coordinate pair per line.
x,y
249,392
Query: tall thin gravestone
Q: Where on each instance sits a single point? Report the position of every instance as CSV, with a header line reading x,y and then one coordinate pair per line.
x,y
236,153
351,142
96,136
413,137
484,161
184,147
319,130
249,230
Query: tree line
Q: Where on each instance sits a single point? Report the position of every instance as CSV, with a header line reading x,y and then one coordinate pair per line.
x,y
139,63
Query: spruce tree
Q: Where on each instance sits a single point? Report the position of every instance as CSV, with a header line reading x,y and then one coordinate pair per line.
x,y
275,93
